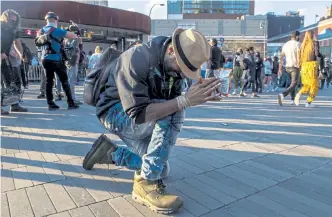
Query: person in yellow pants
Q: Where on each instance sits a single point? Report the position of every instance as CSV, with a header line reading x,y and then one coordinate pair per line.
x,y
309,69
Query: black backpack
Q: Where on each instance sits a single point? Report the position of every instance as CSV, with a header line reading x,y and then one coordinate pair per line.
x,y
95,81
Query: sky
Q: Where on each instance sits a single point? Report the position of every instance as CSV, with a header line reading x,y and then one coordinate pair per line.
x,y
308,8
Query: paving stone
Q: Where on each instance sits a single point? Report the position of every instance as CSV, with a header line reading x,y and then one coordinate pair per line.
x,y
81,212
256,208
23,159
218,213
196,162
62,154
21,178
53,171
40,202
237,211
61,214
261,172
98,189
79,195
267,168
68,169
197,195
59,197
235,184
186,166
4,206
49,155
209,158
276,207
313,204
207,189
36,157
312,186
7,181
124,208
307,192
177,173
103,209
9,161
189,204
254,180
233,192
38,175
19,204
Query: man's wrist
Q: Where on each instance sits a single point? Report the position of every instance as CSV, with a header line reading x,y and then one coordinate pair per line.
x,y
183,102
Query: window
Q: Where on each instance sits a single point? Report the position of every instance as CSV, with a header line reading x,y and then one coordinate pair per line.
x,y
187,26
230,6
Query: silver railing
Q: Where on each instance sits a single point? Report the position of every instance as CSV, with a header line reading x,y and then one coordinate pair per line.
x,y
34,74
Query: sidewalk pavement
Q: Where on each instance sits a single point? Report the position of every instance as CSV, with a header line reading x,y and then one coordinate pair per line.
x,y
236,158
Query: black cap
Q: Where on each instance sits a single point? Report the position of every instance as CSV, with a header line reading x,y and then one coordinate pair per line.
x,y
295,34
51,15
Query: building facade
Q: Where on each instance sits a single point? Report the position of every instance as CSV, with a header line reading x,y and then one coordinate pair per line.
x,y
280,24
215,9
116,26
96,2
322,31
230,33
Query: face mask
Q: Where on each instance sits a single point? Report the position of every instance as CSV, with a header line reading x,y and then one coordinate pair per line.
x,y
11,23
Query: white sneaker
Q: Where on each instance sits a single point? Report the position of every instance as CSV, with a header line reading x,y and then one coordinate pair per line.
x,y
297,99
292,102
307,105
234,93
280,99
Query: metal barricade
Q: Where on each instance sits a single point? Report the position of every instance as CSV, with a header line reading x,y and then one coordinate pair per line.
x,y
34,73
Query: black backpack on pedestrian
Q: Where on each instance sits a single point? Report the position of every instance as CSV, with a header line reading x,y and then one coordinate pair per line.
x,y
95,81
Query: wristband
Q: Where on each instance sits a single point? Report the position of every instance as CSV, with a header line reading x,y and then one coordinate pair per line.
x,y
183,102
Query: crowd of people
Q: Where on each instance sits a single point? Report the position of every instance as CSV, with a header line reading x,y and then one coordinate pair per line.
x,y
16,59
142,99
247,70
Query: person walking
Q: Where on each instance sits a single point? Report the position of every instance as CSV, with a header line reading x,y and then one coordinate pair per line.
x,y
274,75
213,64
309,55
252,73
237,71
291,51
10,26
268,72
259,67
53,60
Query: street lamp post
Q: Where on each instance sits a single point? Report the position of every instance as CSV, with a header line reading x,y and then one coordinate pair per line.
x,y
149,38
263,26
153,7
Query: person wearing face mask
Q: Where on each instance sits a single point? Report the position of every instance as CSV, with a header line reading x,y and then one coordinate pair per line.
x,y
143,105
53,60
10,26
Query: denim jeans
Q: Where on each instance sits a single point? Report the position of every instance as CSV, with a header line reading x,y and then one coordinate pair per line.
x,y
72,77
148,145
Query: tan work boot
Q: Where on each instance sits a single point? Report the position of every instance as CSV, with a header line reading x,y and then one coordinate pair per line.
x,y
153,195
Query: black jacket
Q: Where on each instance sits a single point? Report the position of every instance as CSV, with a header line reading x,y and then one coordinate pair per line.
x,y
215,58
137,78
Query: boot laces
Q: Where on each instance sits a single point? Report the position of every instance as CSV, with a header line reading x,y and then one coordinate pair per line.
x,y
161,187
